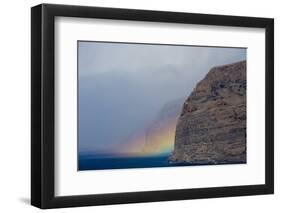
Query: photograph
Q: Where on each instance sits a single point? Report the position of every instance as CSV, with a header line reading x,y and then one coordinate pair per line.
x,y
144,105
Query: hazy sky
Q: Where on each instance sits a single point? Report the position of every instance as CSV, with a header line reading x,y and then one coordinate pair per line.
x,y
122,87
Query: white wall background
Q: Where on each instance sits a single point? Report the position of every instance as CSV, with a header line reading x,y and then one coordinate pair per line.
x,y
15,105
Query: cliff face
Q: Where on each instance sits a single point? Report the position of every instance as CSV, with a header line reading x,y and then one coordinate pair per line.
x,y
212,126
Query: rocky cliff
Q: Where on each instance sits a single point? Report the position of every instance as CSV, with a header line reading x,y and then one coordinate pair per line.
x,y
212,126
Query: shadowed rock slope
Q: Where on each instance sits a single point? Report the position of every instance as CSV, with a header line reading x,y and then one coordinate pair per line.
x,y
212,126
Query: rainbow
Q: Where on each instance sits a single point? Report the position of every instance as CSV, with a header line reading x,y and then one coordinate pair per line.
x,y
155,141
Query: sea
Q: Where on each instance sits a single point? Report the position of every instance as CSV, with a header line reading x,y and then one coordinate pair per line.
x,y
93,162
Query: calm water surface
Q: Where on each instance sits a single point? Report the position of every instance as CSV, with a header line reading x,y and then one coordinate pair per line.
x,y
92,162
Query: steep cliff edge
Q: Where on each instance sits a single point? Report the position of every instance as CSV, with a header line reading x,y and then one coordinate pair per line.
x,y
212,126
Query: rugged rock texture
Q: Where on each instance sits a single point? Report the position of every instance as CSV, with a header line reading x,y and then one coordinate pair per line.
x,y
212,126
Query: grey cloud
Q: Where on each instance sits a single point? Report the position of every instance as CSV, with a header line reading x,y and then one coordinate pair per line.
x,y
123,86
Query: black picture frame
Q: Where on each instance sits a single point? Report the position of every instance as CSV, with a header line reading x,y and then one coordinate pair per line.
x,y
43,102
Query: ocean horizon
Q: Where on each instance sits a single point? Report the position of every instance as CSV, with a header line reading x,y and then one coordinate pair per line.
x,y
117,161
114,161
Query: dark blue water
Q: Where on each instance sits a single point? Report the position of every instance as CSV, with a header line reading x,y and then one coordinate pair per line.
x,y
88,162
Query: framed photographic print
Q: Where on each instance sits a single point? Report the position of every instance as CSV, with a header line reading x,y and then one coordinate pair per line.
x,y
140,106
